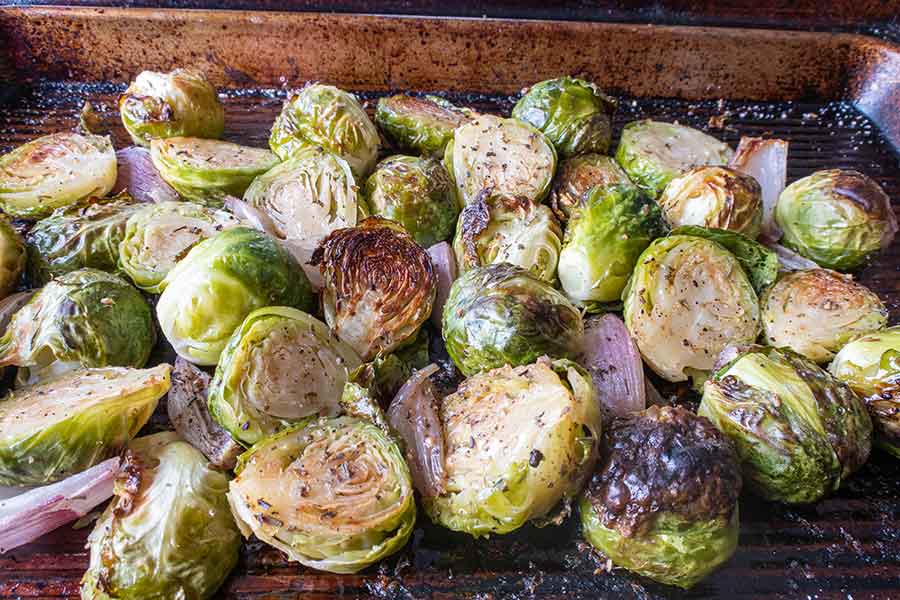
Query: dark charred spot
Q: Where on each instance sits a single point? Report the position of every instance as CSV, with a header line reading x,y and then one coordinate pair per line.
x,y
862,191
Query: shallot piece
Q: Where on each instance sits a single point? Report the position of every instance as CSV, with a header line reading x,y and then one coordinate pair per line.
x,y
11,305
766,161
137,175
413,414
444,262
788,260
28,516
614,362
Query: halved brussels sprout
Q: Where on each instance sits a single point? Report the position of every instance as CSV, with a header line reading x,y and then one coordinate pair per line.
x,y
653,153
575,115
604,238
519,440
55,170
423,125
687,299
664,500
207,170
417,193
760,263
379,285
579,175
210,292
168,533
55,429
816,312
386,374
12,258
333,494
716,197
503,229
179,103
501,315
156,236
324,116
507,155
838,218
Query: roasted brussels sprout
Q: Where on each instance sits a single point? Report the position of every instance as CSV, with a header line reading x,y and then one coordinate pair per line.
x,y
206,170
716,197
168,533
507,155
156,236
798,431
504,229
333,494
816,312
324,116
379,285
209,292
501,315
604,237
417,193
55,429
653,153
837,218
12,258
575,115
175,104
422,125
760,263
664,500
579,175
53,171
518,441
687,299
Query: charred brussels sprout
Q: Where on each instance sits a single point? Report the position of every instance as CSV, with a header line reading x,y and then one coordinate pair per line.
x,y
837,218
578,176
664,500
55,429
501,315
333,494
54,171
759,262
518,442
654,153
687,299
507,155
798,432
575,115
12,258
179,103
604,238
502,229
423,125
816,312
168,533
324,116
418,194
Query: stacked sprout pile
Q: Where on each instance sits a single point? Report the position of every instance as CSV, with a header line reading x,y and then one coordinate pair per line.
x,y
301,297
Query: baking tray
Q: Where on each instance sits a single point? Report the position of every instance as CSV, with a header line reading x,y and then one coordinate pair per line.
x,y
835,97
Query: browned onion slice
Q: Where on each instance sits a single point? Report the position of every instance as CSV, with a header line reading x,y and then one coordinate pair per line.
x,y
614,362
766,161
137,175
444,261
788,260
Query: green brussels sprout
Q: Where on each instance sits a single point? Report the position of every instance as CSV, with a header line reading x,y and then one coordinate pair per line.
x,y
502,315
55,170
156,236
716,197
324,116
422,125
280,366
181,103
85,318
84,235
653,153
519,440
760,263
504,229
168,533
333,494
209,292
575,115
417,193
206,171
798,431
578,176
386,374
664,500
12,258
58,428
507,155
686,300
379,285
870,365
838,218
816,312
604,237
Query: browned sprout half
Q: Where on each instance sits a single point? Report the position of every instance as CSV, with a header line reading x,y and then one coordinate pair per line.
x,y
578,175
